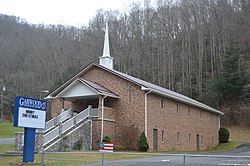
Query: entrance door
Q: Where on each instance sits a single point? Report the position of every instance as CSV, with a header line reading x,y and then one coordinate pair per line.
x,y
155,139
198,142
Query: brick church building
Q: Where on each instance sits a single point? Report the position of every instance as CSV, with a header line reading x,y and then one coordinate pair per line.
x,y
125,106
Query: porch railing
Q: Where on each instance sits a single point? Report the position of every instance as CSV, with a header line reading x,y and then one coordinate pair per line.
x,y
67,125
59,118
65,115
94,112
51,135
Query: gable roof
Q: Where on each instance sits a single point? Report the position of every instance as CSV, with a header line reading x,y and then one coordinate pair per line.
x,y
81,87
144,85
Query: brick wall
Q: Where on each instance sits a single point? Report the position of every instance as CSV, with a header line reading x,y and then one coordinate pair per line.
x,y
178,130
125,121
109,128
128,109
56,106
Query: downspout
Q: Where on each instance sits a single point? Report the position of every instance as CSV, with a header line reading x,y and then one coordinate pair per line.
x,y
103,97
219,121
146,109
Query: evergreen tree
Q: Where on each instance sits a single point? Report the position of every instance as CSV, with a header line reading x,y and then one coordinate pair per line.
x,y
230,83
143,144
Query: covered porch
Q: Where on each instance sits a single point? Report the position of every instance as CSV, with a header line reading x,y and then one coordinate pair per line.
x,y
81,94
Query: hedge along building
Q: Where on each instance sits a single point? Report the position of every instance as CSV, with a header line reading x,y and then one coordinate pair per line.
x,y
128,105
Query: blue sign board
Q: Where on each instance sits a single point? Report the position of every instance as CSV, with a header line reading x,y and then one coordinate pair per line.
x,y
30,114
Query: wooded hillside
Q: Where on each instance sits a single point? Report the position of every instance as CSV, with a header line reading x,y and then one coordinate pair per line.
x,y
182,45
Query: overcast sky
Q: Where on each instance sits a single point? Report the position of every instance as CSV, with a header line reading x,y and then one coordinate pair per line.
x,y
67,12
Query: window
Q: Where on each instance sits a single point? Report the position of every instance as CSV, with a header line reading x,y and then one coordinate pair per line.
x,y
162,104
211,118
189,111
178,139
130,91
162,136
178,108
201,139
189,138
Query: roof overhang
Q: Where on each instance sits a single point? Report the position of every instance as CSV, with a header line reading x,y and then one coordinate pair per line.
x,y
80,89
181,98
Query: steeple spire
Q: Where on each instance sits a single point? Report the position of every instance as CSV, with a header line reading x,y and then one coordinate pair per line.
x,y
106,42
106,60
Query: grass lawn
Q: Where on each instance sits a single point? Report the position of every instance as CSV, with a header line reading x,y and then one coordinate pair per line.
x,y
238,135
224,147
5,148
8,131
66,159
69,159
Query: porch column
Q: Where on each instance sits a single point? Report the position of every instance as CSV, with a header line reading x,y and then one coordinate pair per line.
x,y
103,97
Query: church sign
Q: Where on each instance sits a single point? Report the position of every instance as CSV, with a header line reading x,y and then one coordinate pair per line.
x,y
29,113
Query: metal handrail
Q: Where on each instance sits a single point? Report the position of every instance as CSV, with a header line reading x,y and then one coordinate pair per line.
x,y
67,125
94,112
50,124
50,135
59,118
75,120
65,115
82,115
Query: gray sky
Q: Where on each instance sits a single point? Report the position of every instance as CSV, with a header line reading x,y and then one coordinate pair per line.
x,y
67,12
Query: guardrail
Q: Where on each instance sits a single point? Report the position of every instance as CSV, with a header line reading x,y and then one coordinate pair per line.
x,y
133,158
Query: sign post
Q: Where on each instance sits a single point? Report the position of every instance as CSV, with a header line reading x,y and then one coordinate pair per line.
x,y
30,114
29,144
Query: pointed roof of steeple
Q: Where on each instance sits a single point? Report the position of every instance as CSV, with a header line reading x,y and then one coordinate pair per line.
x,y
106,43
106,60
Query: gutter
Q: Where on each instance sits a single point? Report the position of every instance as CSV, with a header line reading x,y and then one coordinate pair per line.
x,y
146,109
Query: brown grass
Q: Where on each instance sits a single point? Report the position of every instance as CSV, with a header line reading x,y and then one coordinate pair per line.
x,y
239,133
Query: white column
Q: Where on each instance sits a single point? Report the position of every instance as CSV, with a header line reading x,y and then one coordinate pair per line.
x,y
103,97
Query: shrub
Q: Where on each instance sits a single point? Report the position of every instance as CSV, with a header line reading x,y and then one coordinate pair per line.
x,y
223,135
106,139
143,144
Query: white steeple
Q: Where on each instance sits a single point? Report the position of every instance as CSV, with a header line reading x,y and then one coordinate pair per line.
x,y
106,60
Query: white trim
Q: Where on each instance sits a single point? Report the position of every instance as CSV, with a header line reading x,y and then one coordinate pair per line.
x,y
72,85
